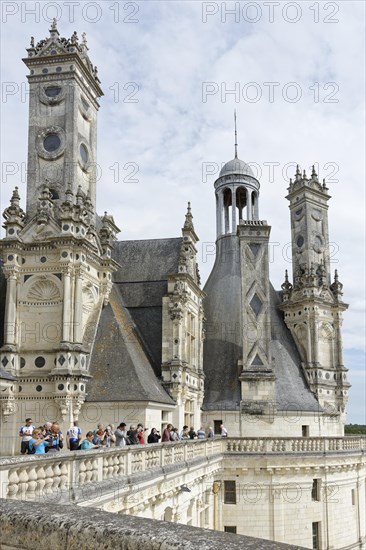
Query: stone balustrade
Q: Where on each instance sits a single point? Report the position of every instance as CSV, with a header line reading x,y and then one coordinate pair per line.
x,y
61,477
26,525
296,444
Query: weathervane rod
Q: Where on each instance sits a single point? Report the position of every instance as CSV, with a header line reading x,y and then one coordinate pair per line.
x,y
236,136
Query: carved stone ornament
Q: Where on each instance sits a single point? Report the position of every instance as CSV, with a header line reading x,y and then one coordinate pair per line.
x,y
44,291
8,407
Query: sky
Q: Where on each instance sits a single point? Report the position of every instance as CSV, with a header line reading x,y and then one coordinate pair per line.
x,y
172,73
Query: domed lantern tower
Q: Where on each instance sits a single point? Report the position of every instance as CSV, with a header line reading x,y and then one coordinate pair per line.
x,y
237,359
237,192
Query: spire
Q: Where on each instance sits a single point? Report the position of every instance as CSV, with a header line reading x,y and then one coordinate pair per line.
x,y
188,224
236,136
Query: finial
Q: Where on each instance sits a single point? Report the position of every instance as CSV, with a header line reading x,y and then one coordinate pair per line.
x,y
298,173
336,275
313,173
32,42
286,275
54,24
236,136
188,224
84,43
304,175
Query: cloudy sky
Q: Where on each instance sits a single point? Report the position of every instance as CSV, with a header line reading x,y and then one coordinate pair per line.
x,y
172,74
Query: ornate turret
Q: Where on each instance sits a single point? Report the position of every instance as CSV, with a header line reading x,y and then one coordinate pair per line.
x,y
64,92
313,306
182,362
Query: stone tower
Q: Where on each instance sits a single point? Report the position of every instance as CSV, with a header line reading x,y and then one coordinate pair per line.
x,y
272,359
56,254
238,304
63,105
182,353
313,306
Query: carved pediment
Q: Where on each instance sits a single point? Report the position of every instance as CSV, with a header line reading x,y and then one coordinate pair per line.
x,y
39,232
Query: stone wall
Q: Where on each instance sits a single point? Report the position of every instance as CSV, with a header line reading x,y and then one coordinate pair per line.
x,y
26,525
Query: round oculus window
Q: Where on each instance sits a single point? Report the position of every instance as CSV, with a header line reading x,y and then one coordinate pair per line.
x,y
318,243
51,143
84,153
300,241
52,91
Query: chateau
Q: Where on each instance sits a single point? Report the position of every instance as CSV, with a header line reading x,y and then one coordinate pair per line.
x,y
89,323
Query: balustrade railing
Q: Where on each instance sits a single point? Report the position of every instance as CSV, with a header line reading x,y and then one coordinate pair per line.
x,y
27,477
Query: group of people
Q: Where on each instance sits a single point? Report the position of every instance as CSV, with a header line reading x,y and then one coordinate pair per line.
x,y
49,438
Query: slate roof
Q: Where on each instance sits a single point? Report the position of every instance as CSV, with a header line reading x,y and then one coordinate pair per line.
x,y
119,365
126,358
223,347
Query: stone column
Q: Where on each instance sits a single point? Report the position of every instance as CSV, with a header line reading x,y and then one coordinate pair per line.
x,y
233,213
78,308
227,221
66,313
219,208
249,204
10,308
256,206
316,343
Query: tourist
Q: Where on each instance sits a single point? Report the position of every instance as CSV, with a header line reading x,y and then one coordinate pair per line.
x,y
113,439
121,435
132,435
153,436
87,443
140,434
192,434
210,433
25,433
201,433
109,437
38,443
99,434
166,433
223,431
184,433
55,441
73,436
174,436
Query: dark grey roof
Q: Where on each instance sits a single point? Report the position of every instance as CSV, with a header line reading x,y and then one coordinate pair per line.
x,y
119,364
149,260
126,358
142,283
292,390
223,344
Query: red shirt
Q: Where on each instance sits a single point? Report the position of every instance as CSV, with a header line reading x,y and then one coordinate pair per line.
x,y
140,436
